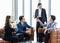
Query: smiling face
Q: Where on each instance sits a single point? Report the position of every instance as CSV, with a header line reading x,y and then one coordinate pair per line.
x,y
40,6
51,20
23,20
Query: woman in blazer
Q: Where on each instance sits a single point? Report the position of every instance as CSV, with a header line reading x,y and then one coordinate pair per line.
x,y
9,30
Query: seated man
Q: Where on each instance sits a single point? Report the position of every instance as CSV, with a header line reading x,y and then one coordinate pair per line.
x,y
24,29
50,25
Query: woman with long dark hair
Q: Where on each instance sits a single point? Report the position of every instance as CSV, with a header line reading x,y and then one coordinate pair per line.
x,y
9,30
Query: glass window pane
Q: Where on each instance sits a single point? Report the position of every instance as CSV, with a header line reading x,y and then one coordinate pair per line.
x,y
5,9
19,8
55,10
34,7
27,10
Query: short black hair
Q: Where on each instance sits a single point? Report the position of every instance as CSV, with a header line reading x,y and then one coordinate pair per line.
x,y
53,17
39,18
21,17
39,4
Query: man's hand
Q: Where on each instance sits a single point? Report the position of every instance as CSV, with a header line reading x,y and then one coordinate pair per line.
x,y
33,29
45,31
34,16
28,32
27,28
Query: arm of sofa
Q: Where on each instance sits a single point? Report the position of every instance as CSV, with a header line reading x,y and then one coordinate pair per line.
x,y
2,31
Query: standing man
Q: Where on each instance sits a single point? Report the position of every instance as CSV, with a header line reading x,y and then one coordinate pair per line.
x,y
40,13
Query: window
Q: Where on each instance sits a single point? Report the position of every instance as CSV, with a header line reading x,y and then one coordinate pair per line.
x,y
34,7
24,9
20,8
55,10
27,10
5,9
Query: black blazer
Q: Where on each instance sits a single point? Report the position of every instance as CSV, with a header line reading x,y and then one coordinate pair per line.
x,y
8,32
43,15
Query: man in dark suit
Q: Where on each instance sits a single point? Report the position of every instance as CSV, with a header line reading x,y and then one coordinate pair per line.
x,y
24,29
40,13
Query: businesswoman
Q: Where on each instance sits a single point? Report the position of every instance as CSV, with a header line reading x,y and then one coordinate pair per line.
x,y
9,30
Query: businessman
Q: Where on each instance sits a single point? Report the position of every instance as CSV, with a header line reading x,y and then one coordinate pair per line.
x,y
51,25
24,29
40,12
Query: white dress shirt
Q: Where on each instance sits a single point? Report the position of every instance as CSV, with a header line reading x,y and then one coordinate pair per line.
x,y
39,13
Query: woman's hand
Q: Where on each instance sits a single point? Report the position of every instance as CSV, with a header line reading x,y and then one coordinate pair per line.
x,y
39,21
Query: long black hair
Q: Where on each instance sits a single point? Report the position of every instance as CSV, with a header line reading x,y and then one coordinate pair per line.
x,y
7,20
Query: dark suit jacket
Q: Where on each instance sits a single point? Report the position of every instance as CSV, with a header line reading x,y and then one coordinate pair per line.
x,y
43,15
8,32
22,28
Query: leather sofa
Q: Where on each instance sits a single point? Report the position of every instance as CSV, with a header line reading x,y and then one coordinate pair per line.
x,y
2,34
54,36
3,41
